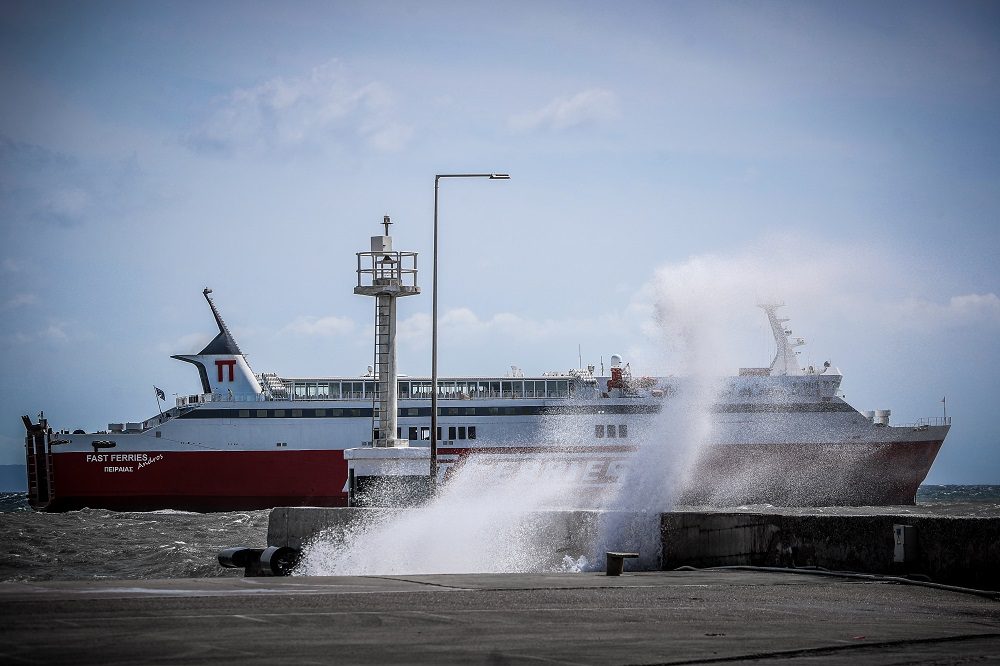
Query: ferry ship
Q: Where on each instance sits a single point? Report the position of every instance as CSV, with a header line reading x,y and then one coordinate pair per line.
x,y
779,435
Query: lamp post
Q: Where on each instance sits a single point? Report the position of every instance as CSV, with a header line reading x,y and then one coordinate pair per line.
x,y
434,317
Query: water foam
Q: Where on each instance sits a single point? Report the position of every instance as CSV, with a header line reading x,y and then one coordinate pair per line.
x,y
487,518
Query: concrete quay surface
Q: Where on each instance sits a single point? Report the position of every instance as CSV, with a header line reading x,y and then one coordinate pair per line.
x,y
639,618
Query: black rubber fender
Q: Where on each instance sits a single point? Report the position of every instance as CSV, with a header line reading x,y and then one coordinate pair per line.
x,y
239,557
279,560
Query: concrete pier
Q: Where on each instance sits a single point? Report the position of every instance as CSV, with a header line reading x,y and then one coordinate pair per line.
x,y
957,550
646,618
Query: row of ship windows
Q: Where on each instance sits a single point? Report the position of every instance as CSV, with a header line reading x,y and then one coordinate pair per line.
x,y
454,432
610,431
424,433
447,390
320,413
296,413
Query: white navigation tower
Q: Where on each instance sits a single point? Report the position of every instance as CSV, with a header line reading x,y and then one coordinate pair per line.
x,y
386,471
387,275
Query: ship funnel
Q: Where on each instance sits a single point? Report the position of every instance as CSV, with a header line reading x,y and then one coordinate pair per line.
x,y
222,367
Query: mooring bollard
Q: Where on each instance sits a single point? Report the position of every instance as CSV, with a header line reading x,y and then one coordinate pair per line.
x,y
616,562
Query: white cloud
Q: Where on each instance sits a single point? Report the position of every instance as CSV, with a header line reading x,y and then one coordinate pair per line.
x,y
701,310
17,338
965,310
319,326
463,326
589,106
67,203
12,265
64,190
493,342
322,106
192,343
390,138
19,300
56,331
699,315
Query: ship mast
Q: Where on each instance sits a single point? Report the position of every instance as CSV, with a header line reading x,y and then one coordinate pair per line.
x,y
785,357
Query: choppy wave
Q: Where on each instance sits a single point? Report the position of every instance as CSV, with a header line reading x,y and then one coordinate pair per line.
x,y
959,494
96,543
14,502
961,500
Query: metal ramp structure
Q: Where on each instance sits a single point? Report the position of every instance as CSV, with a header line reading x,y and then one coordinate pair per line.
x,y
38,458
273,385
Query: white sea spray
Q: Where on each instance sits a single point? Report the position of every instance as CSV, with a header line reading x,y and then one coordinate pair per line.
x,y
487,518
494,516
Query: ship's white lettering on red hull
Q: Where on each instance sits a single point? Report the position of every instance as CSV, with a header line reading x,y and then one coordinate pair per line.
x,y
117,457
582,471
142,458
149,462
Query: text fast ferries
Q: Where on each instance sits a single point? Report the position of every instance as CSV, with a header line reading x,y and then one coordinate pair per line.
x,y
780,435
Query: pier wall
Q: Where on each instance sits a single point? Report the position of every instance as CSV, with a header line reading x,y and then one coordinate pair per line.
x,y
958,550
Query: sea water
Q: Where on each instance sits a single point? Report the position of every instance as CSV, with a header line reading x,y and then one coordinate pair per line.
x,y
97,543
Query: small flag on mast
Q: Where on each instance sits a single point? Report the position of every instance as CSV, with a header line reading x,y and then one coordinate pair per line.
x,y
160,395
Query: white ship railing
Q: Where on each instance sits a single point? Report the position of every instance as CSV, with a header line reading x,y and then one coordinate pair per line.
x,y
420,389
932,421
559,392
202,398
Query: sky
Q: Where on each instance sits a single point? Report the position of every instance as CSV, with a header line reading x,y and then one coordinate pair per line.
x,y
840,157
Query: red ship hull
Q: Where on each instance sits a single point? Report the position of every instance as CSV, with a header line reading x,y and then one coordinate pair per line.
x,y
785,474
722,475
883,474
194,481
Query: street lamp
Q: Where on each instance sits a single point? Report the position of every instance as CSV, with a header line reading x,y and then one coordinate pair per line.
x,y
434,317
